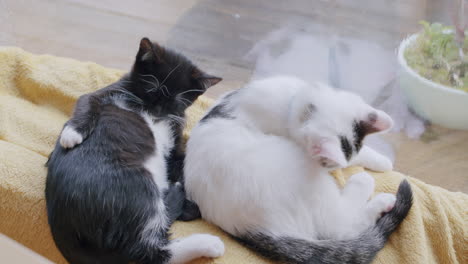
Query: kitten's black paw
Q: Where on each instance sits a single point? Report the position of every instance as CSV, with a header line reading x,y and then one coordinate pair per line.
x,y
190,211
174,199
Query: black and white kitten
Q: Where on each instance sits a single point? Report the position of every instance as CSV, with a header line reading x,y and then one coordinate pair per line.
x,y
113,178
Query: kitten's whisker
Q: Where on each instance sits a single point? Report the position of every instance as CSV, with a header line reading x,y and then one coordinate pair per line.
x,y
133,98
177,119
155,87
169,74
165,88
193,90
125,81
151,76
185,104
184,101
162,90
153,84
125,94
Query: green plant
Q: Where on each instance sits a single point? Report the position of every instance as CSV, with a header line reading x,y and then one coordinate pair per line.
x,y
439,52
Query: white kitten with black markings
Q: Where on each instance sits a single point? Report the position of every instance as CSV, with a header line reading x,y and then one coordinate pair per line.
x,y
258,166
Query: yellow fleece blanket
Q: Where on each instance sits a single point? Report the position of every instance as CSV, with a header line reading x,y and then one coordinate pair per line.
x,y
37,95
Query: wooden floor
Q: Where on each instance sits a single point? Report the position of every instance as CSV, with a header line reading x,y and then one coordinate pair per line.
x,y
218,34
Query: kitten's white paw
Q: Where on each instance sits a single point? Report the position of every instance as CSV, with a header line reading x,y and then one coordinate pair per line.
x,y
195,246
380,204
211,246
384,202
380,164
358,189
70,137
364,181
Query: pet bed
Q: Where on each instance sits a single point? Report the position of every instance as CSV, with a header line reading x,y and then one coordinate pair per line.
x,y
37,95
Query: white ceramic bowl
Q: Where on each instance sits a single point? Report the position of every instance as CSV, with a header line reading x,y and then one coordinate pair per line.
x,y
435,102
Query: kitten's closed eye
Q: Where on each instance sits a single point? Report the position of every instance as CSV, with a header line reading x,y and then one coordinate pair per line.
x,y
307,112
328,163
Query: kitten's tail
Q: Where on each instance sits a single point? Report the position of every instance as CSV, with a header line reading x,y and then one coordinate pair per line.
x,y
361,249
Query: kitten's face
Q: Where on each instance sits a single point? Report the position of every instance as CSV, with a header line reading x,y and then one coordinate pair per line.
x,y
168,79
331,124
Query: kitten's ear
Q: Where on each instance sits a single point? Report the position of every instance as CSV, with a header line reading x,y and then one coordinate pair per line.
x,y
148,51
205,79
376,121
330,154
209,80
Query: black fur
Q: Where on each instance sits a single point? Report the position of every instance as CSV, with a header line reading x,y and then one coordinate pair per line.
x,y
174,199
360,131
99,195
190,211
362,249
363,128
221,110
346,147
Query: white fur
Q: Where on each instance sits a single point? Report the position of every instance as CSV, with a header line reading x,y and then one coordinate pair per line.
x,y
373,160
185,249
195,246
263,170
155,224
164,142
70,137
156,165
